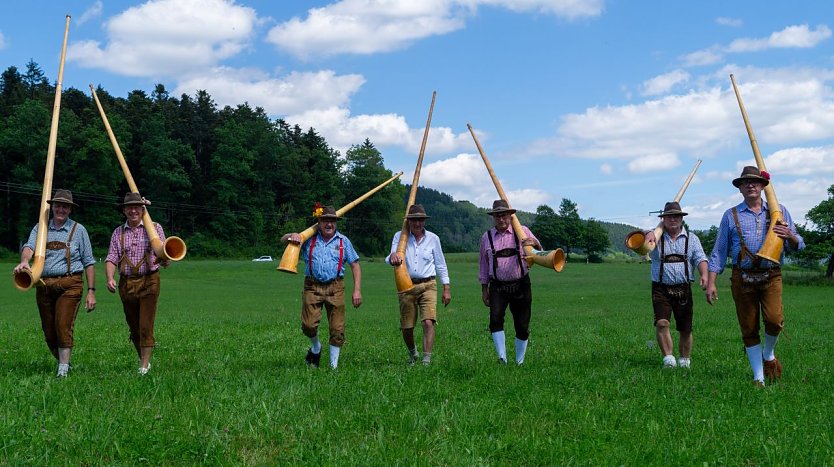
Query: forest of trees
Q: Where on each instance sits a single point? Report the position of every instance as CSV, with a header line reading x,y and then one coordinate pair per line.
x,y
230,181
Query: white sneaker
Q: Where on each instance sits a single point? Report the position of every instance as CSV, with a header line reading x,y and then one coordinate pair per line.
x,y
684,363
144,371
669,361
63,369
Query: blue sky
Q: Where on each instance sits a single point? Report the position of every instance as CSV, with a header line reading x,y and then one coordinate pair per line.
x,y
606,103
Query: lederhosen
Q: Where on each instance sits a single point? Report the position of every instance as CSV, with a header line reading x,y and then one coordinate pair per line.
x,y
673,299
330,295
756,291
516,293
59,298
140,296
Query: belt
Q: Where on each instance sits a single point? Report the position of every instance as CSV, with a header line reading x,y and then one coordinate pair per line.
x,y
67,274
141,275
423,280
313,281
669,285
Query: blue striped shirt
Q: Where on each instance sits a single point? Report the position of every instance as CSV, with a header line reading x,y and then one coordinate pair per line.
x,y
55,263
424,259
754,227
326,257
675,273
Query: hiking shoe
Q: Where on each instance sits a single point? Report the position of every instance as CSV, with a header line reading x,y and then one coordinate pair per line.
x,y
758,384
684,363
412,358
313,359
773,369
63,369
669,362
502,361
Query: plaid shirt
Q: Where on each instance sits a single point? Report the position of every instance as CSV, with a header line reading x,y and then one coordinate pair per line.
x,y
754,227
137,243
326,257
508,269
674,273
55,263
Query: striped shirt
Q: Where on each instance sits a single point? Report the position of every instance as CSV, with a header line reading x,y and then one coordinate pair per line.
x,y
81,252
424,259
508,268
326,257
675,273
136,244
754,227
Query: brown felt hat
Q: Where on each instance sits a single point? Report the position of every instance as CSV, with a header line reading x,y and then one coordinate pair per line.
x,y
62,196
672,208
329,212
417,211
134,199
500,206
752,173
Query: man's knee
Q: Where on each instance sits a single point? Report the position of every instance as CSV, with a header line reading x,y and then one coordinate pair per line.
x,y
662,324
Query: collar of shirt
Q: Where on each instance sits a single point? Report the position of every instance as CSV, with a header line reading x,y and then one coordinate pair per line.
x,y
64,227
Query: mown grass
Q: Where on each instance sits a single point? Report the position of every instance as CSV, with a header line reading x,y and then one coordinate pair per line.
x,y
229,386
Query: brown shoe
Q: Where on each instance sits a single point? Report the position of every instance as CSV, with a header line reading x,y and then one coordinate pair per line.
x,y
773,369
758,384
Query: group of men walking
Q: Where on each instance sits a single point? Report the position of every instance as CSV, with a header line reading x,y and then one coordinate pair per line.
x,y
756,283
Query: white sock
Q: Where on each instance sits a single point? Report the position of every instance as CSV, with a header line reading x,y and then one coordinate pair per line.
x,y
520,350
334,356
500,347
669,361
426,358
315,345
769,347
754,354
684,362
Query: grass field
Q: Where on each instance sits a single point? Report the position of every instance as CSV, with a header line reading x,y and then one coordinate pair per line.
x,y
229,384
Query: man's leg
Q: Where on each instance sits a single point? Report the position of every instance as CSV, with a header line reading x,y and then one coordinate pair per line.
x,y
664,342
497,309
428,340
310,318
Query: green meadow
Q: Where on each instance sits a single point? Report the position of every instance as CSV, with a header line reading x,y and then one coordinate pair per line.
x,y
229,384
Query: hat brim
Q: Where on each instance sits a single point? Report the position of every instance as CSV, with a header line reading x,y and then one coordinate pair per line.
x,y
326,217
133,203
416,217
61,200
501,211
737,182
673,213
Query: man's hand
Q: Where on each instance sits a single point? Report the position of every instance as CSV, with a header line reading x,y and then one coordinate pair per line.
x,y
395,259
485,296
357,298
91,300
712,293
20,267
447,295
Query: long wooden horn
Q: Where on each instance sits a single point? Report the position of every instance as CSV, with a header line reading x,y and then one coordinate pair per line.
x,y
173,248
401,277
554,259
25,279
289,260
772,246
636,241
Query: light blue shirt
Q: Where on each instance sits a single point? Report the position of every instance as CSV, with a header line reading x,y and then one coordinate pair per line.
x,y
423,259
326,257
754,227
55,262
675,273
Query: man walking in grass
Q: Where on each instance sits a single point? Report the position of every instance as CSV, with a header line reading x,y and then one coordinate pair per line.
x,y
756,283
424,261
504,279
677,254
326,255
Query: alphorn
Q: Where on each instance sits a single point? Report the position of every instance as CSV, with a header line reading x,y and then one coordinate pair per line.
x,y
771,249
401,277
637,241
26,278
173,248
289,260
553,259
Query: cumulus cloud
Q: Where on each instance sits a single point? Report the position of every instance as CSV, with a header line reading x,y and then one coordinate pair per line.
x,y
653,163
732,22
169,38
606,169
94,11
799,36
703,57
367,26
662,84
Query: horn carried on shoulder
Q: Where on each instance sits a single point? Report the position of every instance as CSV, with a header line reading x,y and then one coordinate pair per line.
x,y
401,277
637,241
25,279
173,248
289,260
772,246
553,259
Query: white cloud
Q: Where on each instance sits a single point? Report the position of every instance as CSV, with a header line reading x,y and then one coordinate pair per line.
x,y
369,26
661,84
732,22
2,41
702,57
801,161
791,37
169,38
93,12
653,163
290,94
606,169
